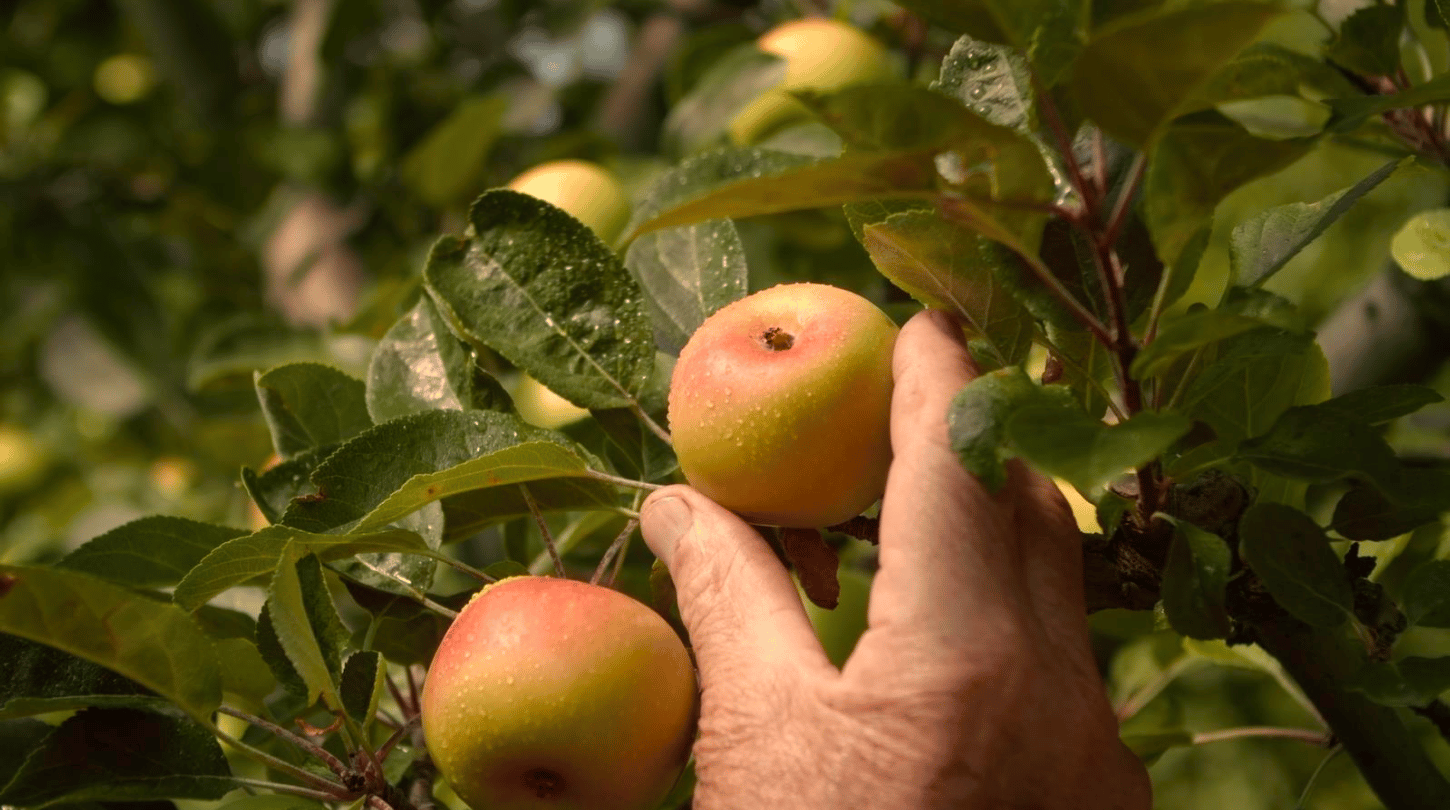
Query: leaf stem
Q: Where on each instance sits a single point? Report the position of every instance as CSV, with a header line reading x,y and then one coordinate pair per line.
x,y
281,787
318,752
1307,735
544,531
276,763
623,482
412,590
650,423
1124,202
1145,695
1314,777
615,548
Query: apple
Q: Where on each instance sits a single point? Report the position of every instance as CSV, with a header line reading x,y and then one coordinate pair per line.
x,y
23,459
840,628
538,405
555,693
780,405
819,54
587,191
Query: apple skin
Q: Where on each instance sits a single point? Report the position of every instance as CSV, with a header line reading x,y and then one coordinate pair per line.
x,y
819,54
587,191
538,405
796,436
553,693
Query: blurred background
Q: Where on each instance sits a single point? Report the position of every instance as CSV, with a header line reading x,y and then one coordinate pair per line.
x,y
193,190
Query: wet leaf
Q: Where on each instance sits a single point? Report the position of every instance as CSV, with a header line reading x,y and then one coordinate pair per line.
x,y
420,366
149,552
310,405
687,273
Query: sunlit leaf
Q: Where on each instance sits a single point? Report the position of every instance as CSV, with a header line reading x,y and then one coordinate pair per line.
x,y
305,621
245,558
1186,334
1262,244
153,643
994,81
1255,377
977,420
1137,73
1368,41
1422,245
419,365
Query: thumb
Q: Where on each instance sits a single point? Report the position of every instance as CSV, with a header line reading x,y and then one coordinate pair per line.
x,y
737,601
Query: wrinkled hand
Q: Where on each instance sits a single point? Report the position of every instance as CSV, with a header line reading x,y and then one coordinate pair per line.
x,y
974,686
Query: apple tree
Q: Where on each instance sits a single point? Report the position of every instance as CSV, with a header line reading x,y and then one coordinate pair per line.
x,y
291,371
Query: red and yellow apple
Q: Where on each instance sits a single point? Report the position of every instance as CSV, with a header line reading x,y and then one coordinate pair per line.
x,y
552,693
820,54
780,405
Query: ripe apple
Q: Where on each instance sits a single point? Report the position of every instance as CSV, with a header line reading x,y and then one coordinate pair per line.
x,y
552,693
819,54
537,404
780,405
587,191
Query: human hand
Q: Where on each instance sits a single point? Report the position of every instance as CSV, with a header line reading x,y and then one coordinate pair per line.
x,y
974,685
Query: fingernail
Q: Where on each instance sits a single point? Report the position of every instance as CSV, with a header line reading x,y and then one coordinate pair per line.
x,y
663,523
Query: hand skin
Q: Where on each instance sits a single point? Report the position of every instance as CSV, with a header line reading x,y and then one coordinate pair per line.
x,y
974,686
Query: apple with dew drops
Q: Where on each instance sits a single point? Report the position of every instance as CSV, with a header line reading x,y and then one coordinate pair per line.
x,y
552,693
780,405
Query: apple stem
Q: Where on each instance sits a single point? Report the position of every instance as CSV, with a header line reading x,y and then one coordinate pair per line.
x,y
615,553
544,531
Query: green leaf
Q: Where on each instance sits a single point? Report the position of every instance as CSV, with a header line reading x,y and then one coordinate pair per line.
x,y
274,489
732,183
1352,111
1149,746
1195,579
307,626
1436,13
37,679
1255,377
153,643
1069,444
420,366
1291,555
942,265
269,646
976,422
445,167
1318,443
245,674
1277,118
1194,166
149,552
1367,513
1368,41
906,117
18,738
1087,367
255,555
994,81
1137,73
1378,404
1262,244
1422,245
1412,681
541,289
702,117
364,681
356,480
124,755
1268,69
1426,597
687,273
309,405
1186,334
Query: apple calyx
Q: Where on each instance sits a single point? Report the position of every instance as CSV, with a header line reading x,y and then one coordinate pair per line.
x,y
777,339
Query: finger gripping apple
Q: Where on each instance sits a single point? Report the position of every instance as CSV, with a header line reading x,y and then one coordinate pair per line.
x,y
552,693
780,405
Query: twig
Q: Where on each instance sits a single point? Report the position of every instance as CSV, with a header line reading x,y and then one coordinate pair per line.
x,y
654,426
615,548
543,530
1125,200
294,790
333,763
1314,777
276,763
1145,694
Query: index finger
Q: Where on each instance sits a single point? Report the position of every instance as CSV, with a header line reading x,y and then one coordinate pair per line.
x,y
950,558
